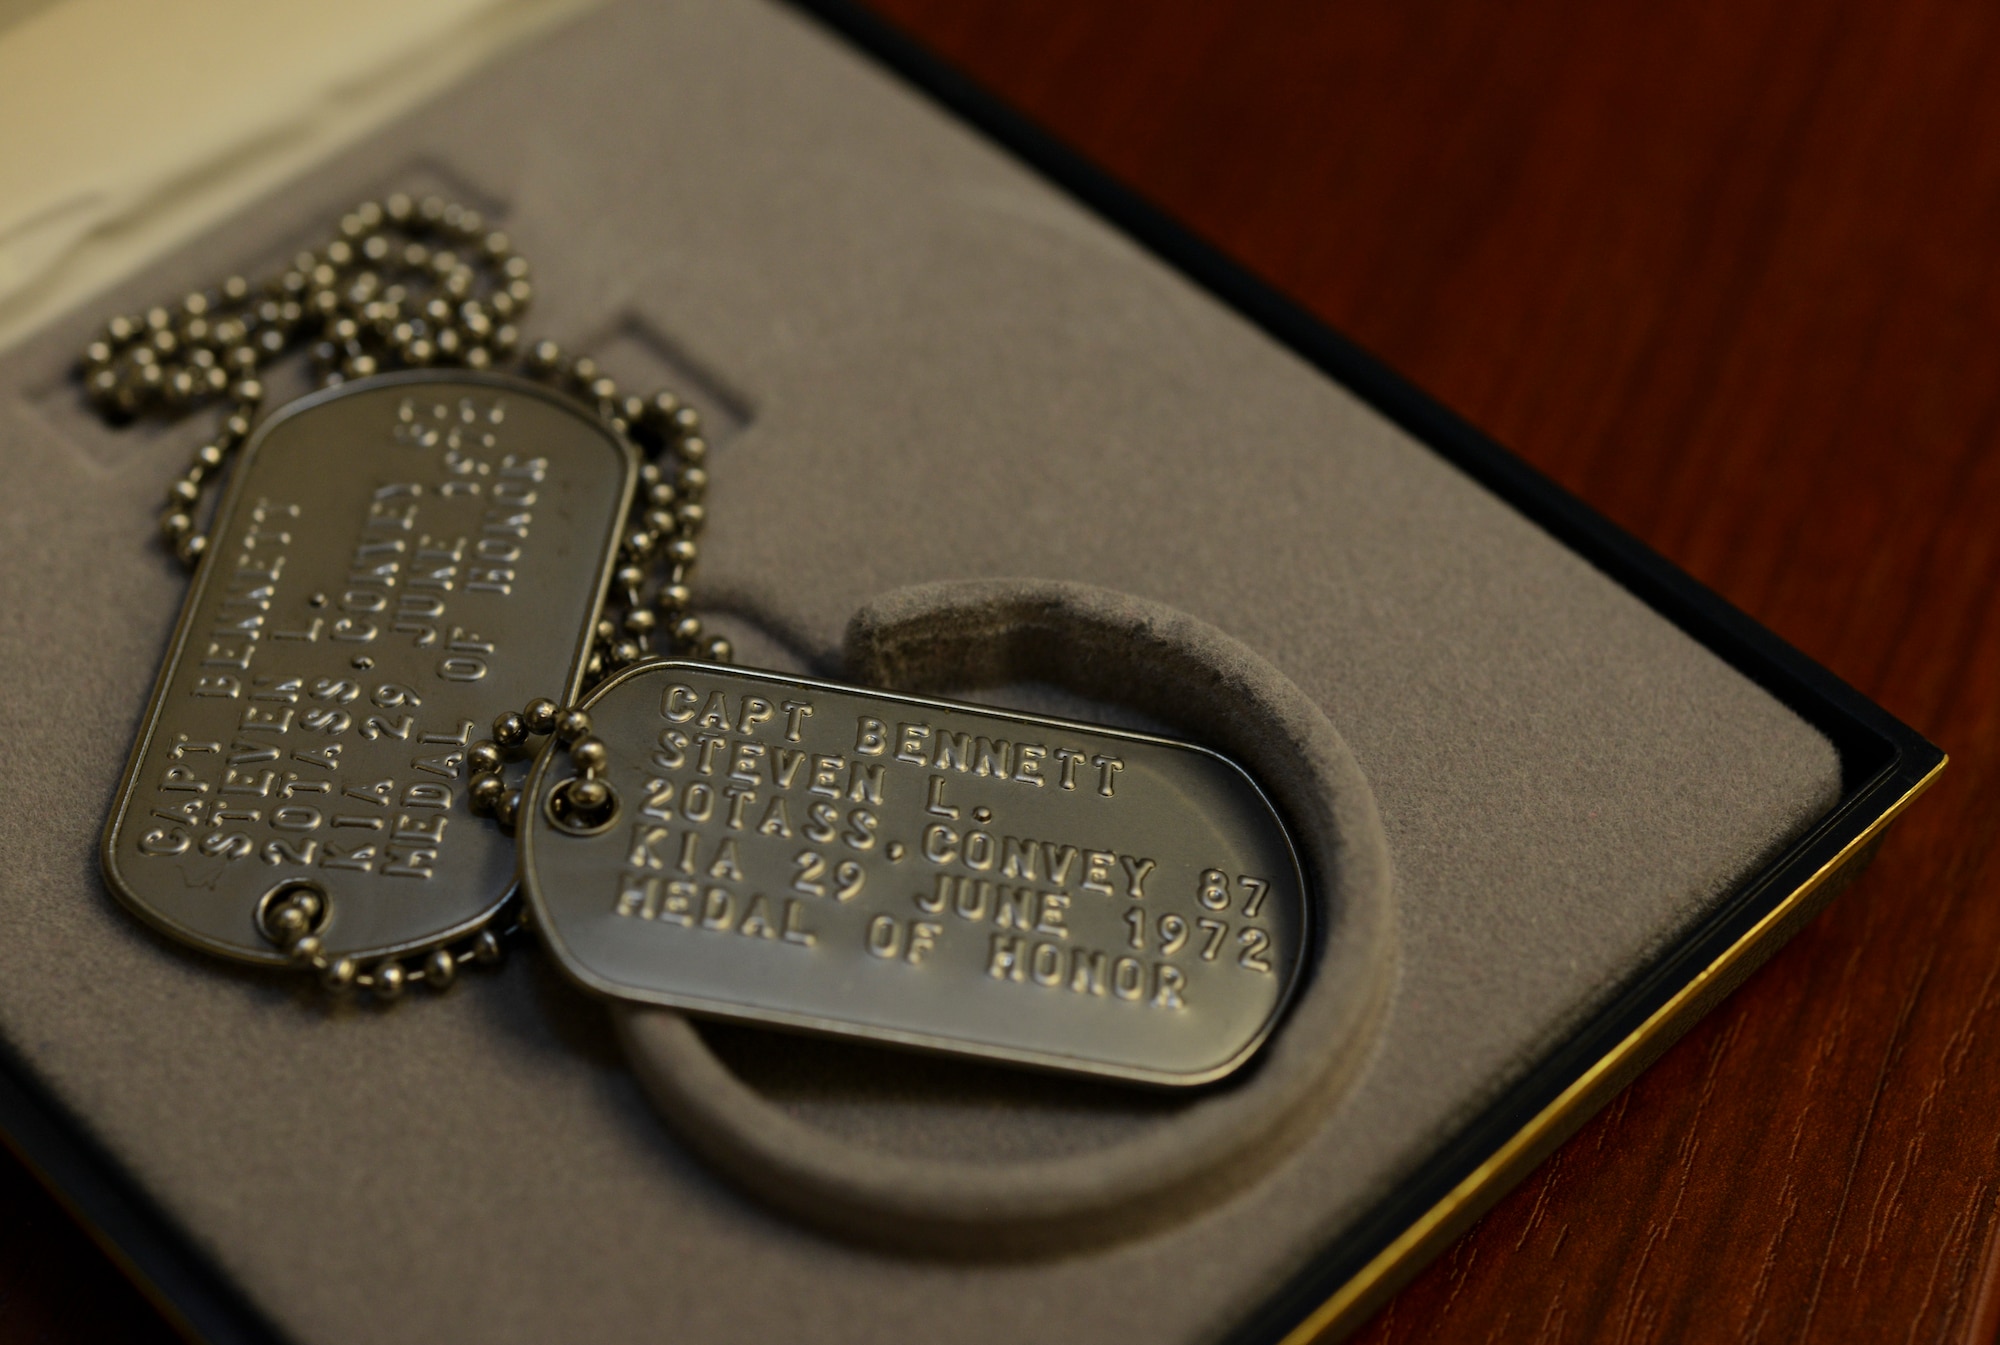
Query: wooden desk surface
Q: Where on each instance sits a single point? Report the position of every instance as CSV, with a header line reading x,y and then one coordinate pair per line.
x,y
1731,272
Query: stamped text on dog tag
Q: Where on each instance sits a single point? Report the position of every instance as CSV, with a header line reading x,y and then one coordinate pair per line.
x,y
394,558
917,872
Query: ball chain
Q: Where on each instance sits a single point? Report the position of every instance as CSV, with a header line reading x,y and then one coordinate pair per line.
x,y
292,924
403,284
587,794
408,284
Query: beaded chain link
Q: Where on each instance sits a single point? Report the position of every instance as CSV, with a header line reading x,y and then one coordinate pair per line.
x,y
412,284
578,803
404,284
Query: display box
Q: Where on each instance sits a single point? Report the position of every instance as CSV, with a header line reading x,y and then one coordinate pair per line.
x,y
935,346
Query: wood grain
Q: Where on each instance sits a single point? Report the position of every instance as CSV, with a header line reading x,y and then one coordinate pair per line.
x,y
1730,271
55,1286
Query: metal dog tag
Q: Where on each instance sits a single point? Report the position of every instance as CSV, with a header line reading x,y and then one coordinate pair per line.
x,y
918,872
395,559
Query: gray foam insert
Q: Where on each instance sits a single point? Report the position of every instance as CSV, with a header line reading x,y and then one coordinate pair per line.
x,y
933,367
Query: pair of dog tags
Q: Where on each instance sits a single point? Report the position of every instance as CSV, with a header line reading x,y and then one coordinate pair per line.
x,y
400,557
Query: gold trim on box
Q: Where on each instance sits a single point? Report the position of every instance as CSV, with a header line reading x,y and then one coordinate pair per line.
x,y
156,1298
1360,1296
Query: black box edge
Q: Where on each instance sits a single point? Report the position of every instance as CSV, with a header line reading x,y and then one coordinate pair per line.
x,y
1885,764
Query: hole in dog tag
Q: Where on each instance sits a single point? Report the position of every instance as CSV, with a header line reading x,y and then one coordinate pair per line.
x,y
922,873
396,559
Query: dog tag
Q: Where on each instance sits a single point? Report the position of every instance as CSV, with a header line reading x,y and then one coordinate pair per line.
x,y
917,872
395,559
